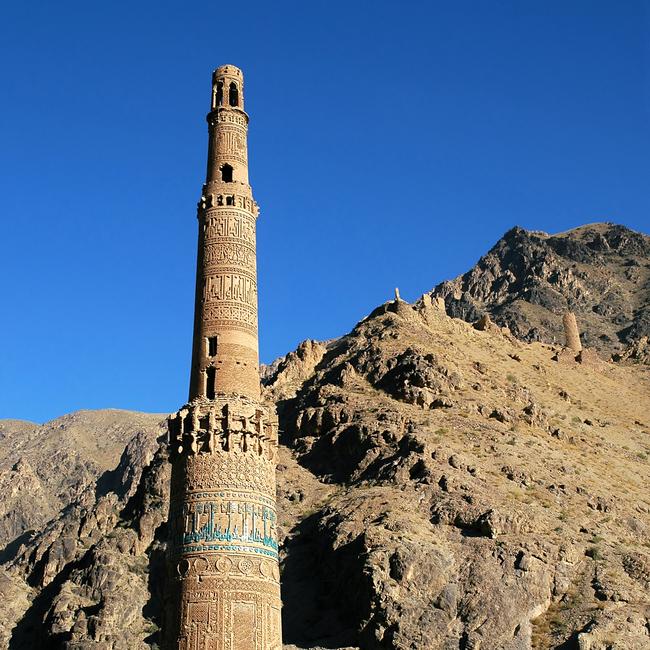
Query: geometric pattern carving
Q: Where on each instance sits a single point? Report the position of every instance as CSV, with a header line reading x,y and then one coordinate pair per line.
x,y
232,315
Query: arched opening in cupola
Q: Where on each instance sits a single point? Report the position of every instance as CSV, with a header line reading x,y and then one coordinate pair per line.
x,y
233,95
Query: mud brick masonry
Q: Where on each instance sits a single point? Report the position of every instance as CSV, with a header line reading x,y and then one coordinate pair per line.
x,y
571,332
224,582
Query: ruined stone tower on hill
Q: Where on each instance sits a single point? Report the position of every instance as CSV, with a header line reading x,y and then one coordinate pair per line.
x,y
571,332
223,562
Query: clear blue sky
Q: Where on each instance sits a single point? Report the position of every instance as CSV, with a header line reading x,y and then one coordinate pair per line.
x,y
391,144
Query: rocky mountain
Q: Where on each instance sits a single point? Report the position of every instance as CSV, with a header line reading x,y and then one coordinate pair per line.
x,y
44,468
528,279
440,485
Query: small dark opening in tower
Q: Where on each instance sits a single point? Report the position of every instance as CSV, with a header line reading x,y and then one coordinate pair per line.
x,y
230,200
213,344
233,94
226,173
210,380
219,98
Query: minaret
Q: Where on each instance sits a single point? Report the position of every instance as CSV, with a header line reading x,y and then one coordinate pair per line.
x,y
223,558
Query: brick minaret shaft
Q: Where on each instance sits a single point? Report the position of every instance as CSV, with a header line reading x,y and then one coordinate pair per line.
x,y
223,559
225,353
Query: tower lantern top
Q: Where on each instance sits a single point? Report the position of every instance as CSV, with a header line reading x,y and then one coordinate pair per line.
x,y
227,87
227,71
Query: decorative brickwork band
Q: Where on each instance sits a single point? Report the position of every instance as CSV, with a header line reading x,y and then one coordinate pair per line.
x,y
223,549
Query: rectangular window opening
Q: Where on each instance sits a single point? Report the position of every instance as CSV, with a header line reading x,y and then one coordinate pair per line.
x,y
210,381
213,344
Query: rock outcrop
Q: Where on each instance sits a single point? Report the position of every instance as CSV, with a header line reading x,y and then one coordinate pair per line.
x,y
43,468
601,272
475,492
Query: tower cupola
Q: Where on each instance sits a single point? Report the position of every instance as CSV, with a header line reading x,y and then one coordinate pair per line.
x,y
227,88
228,123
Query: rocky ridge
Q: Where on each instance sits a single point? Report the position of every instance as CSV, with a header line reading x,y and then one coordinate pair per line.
x,y
440,485
44,468
600,271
